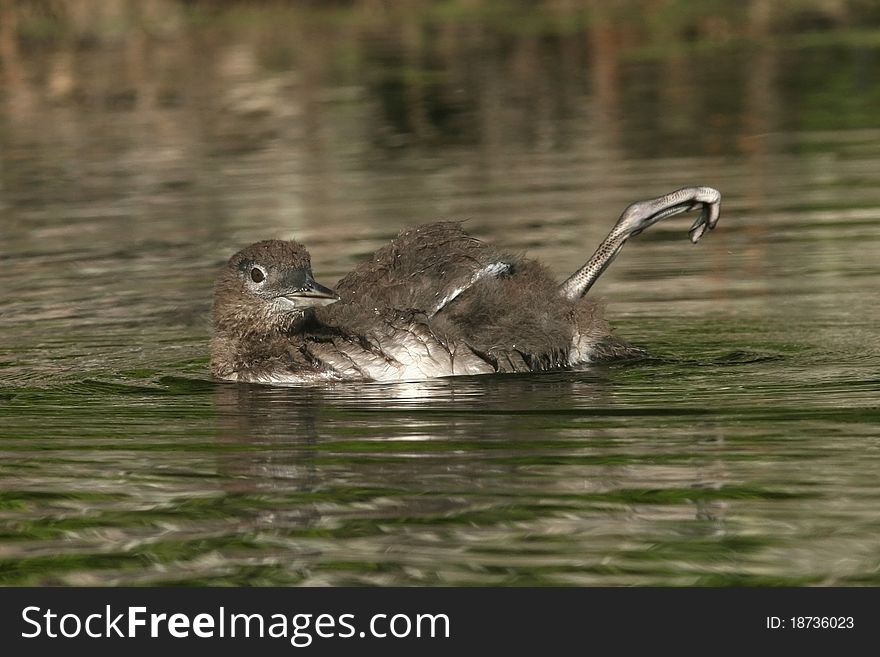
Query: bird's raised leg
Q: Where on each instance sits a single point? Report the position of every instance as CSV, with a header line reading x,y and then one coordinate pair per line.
x,y
637,218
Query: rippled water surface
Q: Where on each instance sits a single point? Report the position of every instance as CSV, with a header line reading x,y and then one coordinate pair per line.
x,y
142,143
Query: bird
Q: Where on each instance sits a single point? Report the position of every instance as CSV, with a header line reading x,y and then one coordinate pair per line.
x,y
434,302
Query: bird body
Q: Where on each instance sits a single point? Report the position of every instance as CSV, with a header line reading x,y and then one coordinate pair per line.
x,y
434,302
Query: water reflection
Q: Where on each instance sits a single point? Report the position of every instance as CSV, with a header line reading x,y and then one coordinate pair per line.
x,y
363,477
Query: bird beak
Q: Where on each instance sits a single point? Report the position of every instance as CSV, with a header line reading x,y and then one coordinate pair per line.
x,y
311,294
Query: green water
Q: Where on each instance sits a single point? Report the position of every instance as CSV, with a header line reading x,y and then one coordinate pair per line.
x,y
140,145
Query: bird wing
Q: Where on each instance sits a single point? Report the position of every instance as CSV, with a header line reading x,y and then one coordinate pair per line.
x,y
425,268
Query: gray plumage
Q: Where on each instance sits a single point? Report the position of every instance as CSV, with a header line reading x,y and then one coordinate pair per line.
x,y
418,308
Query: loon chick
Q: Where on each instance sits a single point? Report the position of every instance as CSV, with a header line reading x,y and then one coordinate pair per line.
x,y
433,302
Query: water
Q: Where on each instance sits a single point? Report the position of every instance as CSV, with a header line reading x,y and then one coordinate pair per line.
x,y
141,144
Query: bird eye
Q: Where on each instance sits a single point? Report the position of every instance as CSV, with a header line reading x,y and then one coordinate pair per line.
x,y
257,275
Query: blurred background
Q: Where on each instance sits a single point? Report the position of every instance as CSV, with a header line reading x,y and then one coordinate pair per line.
x,y
143,142
265,115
